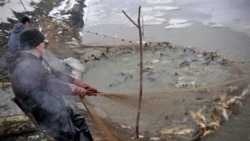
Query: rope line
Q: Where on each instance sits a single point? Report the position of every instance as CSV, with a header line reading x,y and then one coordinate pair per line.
x,y
130,41
108,36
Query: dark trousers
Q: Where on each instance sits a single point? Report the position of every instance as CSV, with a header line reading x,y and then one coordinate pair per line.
x,y
53,117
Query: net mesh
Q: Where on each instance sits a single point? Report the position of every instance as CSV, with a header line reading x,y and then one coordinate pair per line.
x,y
186,113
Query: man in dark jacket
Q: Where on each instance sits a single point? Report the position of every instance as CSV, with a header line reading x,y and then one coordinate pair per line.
x,y
39,90
14,36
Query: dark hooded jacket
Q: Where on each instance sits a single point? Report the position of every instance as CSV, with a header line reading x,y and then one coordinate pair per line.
x,y
28,73
14,37
40,92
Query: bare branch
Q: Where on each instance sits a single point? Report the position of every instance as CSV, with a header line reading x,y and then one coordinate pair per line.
x,y
129,18
23,5
141,66
141,72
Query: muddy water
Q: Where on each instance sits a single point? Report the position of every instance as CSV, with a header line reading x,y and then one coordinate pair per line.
x,y
210,25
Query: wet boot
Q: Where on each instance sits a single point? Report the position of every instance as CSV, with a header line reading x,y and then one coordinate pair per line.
x,y
77,136
80,137
88,135
79,121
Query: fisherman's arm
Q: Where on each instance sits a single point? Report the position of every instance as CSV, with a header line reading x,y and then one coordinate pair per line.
x,y
73,81
66,85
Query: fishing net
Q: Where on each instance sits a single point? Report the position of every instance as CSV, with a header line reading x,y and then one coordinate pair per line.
x,y
187,93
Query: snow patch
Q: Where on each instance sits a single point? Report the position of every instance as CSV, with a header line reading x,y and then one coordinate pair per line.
x,y
152,20
160,1
75,64
217,25
178,23
62,11
168,8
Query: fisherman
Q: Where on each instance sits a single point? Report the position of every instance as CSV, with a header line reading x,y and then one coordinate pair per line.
x,y
39,91
17,29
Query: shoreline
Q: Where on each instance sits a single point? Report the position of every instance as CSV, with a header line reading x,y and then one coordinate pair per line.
x,y
42,10
40,19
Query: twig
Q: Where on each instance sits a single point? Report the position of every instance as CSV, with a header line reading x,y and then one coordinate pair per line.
x,y
129,18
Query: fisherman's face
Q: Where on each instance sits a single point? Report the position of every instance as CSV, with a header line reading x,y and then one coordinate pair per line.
x,y
28,24
41,48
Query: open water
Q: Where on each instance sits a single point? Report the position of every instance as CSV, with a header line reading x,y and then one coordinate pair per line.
x,y
222,26
210,25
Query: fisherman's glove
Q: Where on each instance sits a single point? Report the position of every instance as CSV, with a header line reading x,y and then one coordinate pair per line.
x,y
91,90
75,90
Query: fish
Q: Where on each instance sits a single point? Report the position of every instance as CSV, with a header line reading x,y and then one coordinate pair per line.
x,y
178,130
154,61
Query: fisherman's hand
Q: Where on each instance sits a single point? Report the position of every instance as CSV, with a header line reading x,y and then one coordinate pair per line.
x,y
89,93
92,90
75,90
85,86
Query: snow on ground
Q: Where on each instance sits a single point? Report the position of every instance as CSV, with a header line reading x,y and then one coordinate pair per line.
x,y
64,7
15,5
60,12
